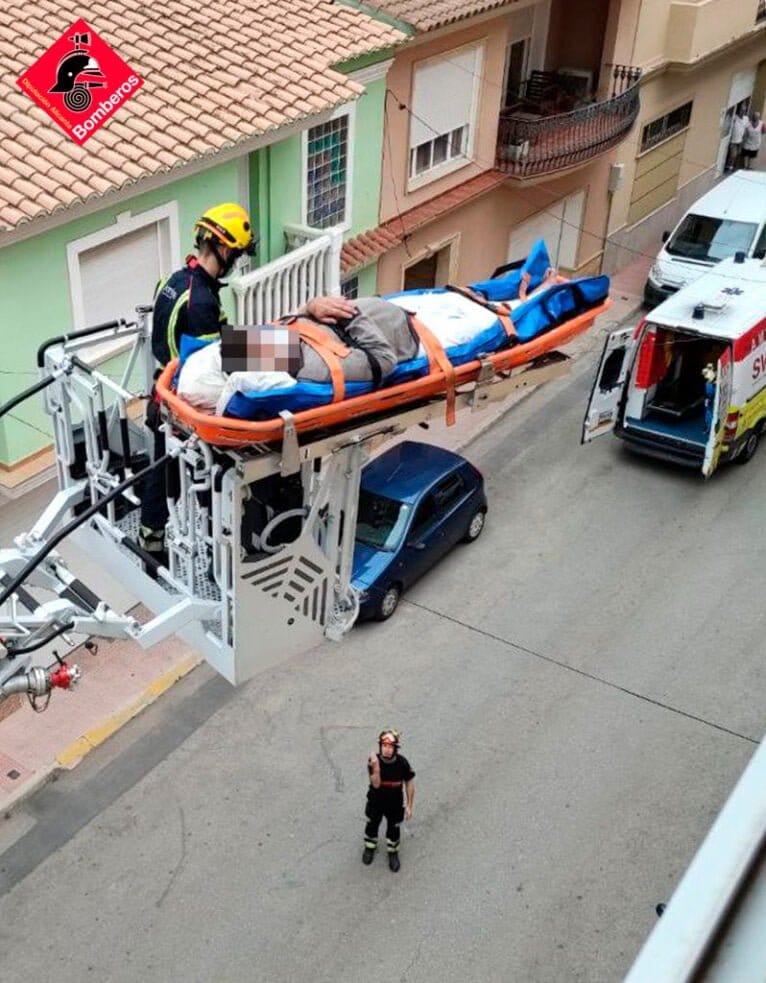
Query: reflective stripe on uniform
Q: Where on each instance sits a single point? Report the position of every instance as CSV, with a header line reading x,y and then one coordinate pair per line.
x,y
173,320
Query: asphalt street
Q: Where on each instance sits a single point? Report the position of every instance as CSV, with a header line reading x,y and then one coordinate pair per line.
x,y
578,692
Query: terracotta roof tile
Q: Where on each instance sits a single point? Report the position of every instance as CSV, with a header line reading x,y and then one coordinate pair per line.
x,y
425,15
368,246
178,115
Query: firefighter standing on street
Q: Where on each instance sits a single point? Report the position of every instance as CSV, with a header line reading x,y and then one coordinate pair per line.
x,y
188,303
391,794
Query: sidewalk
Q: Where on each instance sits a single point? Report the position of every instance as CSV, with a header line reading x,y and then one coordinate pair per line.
x,y
122,679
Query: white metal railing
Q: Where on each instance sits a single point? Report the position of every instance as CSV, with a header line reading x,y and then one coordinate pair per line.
x,y
282,286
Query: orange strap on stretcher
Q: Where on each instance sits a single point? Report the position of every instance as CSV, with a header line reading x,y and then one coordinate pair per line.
x,y
437,358
502,310
504,317
329,349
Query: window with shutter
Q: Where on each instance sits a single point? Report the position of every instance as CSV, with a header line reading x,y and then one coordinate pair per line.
x,y
445,93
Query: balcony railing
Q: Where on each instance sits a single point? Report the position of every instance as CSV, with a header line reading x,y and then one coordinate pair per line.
x,y
530,143
281,286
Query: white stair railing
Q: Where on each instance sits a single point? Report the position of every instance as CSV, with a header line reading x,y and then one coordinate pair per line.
x,y
282,286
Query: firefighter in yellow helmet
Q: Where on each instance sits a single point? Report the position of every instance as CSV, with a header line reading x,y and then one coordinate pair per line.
x,y
391,794
187,303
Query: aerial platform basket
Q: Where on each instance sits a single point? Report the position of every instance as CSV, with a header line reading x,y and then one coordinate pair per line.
x,y
262,514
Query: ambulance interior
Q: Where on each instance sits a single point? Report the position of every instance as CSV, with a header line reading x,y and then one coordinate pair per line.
x,y
667,390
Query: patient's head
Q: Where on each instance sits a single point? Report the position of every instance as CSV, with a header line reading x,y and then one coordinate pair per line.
x,y
260,348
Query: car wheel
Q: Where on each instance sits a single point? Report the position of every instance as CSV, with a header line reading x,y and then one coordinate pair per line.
x,y
388,603
475,526
749,447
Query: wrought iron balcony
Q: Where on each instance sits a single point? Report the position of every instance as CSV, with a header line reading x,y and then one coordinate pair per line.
x,y
534,141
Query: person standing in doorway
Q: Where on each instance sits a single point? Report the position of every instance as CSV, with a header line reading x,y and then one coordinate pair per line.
x,y
391,793
751,142
738,125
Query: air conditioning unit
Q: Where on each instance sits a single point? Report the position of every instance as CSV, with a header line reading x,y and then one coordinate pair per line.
x,y
518,151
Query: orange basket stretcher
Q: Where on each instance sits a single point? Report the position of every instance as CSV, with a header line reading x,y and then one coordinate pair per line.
x,y
442,381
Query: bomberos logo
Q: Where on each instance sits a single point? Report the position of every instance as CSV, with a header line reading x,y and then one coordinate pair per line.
x,y
72,74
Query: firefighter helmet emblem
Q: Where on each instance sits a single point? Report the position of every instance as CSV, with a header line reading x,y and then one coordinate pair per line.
x,y
77,73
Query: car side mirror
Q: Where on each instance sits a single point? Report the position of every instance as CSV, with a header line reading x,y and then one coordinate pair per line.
x,y
665,235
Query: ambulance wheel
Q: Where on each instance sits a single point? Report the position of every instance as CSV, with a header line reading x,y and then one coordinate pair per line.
x,y
388,603
749,447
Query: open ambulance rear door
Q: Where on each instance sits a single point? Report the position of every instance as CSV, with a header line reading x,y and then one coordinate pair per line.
x,y
608,389
721,405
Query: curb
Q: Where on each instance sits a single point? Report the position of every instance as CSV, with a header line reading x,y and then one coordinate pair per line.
x,y
91,739
76,751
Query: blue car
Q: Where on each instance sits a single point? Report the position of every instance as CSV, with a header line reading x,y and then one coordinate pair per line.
x,y
416,501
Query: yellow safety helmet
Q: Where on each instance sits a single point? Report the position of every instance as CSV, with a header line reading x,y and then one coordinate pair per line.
x,y
229,224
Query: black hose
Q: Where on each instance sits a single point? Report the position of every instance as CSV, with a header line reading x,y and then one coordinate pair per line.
x,y
12,650
26,393
82,333
19,579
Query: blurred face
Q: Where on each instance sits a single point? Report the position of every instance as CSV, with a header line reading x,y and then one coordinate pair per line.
x,y
260,349
387,746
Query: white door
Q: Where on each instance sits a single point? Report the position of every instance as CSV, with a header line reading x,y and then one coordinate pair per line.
x,y
721,405
727,117
742,85
611,378
559,225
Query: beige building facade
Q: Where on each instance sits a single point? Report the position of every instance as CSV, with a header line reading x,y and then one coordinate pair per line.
x,y
590,123
701,59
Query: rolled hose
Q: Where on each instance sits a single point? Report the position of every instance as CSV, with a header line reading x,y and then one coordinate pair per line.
x,y
269,528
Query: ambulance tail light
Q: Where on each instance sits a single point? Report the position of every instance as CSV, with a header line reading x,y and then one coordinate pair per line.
x,y
730,427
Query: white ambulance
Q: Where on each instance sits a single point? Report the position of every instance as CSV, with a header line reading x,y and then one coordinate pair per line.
x,y
689,383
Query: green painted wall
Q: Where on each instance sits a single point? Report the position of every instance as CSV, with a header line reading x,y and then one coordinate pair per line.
x,y
34,284
280,169
275,176
368,278
368,158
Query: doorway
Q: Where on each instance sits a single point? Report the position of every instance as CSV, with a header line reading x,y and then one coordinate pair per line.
x,y
431,271
516,64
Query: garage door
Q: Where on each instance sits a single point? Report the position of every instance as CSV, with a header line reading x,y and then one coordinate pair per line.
x,y
118,275
559,225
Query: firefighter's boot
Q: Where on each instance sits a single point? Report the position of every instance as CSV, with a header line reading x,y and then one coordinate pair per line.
x,y
369,852
393,856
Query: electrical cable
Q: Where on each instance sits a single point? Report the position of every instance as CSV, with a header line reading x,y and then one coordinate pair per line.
x,y
602,239
14,651
36,560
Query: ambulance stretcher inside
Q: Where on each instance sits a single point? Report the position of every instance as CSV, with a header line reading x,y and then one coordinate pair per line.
x,y
457,334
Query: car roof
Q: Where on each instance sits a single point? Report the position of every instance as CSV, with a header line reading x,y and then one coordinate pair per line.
x,y
739,198
408,469
734,295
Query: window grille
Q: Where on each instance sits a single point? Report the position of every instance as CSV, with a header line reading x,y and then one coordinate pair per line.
x,y
666,126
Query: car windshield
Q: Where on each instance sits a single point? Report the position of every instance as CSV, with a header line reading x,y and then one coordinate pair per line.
x,y
381,521
710,239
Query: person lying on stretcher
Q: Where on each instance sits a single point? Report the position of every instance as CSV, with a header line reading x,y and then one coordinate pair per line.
x,y
372,335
